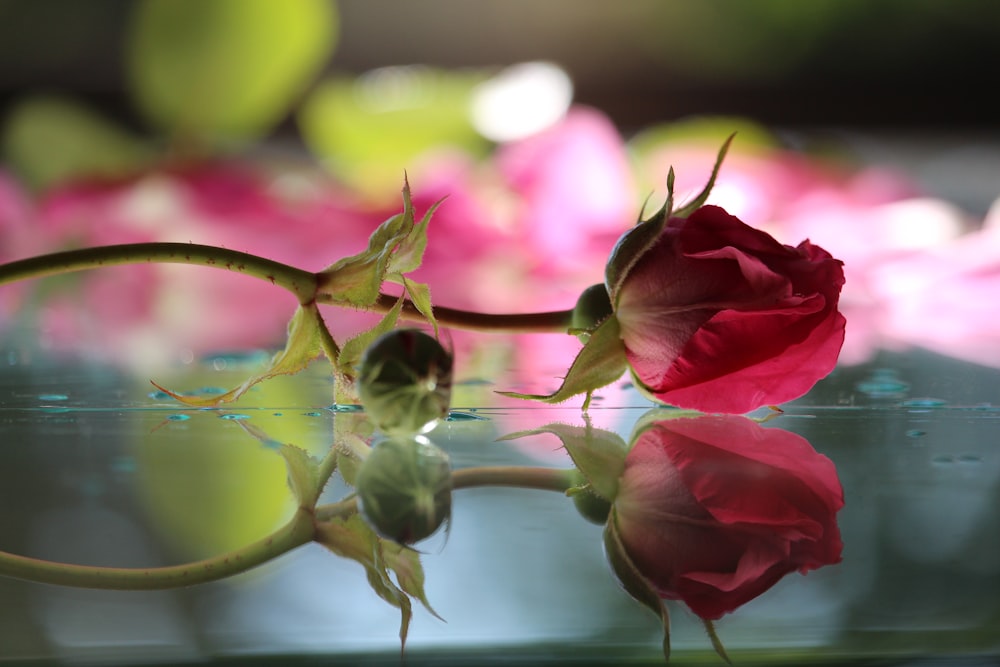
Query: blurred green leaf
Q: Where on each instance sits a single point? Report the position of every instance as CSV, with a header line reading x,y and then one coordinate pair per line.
x,y
226,69
49,140
370,130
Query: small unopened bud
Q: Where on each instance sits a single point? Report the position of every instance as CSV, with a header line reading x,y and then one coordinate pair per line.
x,y
404,381
404,489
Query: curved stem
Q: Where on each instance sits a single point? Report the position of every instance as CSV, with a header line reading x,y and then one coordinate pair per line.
x,y
556,321
300,283
298,531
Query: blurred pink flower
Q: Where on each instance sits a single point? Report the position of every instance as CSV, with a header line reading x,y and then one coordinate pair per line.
x,y
152,313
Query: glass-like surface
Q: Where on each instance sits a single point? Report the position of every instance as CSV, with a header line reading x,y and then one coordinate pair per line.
x,y
100,468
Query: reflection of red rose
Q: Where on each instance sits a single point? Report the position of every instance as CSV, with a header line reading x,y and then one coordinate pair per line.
x,y
720,317
715,510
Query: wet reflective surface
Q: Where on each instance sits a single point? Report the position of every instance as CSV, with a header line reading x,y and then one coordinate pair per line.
x,y
100,468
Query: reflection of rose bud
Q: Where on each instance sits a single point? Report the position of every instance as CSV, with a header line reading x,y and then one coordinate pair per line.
x,y
404,381
404,489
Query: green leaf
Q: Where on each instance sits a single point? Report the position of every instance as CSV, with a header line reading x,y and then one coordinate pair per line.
x,y
371,129
598,454
632,580
354,348
50,140
410,253
226,69
420,296
601,361
303,475
306,333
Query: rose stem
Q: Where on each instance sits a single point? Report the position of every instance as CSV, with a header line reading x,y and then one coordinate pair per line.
x,y
298,531
297,281
300,283
556,321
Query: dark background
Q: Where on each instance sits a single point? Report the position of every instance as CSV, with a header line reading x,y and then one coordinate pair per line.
x,y
929,64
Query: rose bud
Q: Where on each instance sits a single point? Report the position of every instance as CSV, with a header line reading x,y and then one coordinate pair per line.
x,y
404,381
714,510
718,316
404,489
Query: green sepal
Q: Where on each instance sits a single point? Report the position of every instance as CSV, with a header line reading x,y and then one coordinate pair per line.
x,y
420,297
638,240
396,246
632,580
600,362
410,253
702,197
598,454
308,338
354,348
352,538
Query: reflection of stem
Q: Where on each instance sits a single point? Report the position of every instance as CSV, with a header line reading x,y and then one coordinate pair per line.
x,y
523,477
300,283
298,531
295,533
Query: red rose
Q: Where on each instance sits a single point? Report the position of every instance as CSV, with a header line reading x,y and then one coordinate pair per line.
x,y
719,317
714,510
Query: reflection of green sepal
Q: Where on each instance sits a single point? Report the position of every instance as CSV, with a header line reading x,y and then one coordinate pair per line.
x,y
716,642
632,580
303,475
352,538
601,361
599,455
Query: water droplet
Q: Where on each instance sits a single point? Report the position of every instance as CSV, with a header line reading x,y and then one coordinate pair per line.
x,y
915,433
277,414
883,383
159,395
465,417
346,407
970,459
924,403
178,418
943,460
53,397
313,414
234,416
